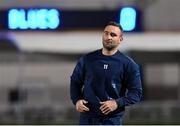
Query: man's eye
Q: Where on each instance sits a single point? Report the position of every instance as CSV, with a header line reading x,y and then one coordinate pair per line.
x,y
113,35
106,33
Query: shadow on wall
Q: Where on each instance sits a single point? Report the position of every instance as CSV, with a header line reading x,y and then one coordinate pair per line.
x,y
8,43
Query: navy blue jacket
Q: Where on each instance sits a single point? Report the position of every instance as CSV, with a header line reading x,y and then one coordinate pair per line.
x,y
97,78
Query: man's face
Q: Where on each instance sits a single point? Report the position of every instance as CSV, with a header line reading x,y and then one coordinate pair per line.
x,y
112,37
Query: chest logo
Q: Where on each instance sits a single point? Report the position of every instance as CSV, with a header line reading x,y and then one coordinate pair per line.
x,y
105,66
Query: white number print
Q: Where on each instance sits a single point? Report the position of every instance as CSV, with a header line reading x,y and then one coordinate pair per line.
x,y
105,66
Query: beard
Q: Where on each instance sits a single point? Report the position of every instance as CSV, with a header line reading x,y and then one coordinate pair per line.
x,y
109,47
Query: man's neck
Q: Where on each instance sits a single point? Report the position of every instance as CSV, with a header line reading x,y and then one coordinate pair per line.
x,y
108,53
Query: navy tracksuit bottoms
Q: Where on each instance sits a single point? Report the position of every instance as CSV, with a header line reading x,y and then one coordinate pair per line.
x,y
84,120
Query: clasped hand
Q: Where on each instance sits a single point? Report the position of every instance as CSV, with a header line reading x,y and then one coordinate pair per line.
x,y
106,106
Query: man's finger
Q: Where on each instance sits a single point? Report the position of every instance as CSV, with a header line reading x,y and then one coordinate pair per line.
x,y
102,103
106,111
85,108
103,106
84,101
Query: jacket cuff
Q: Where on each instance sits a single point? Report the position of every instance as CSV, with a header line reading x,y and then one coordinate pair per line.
x,y
120,102
75,101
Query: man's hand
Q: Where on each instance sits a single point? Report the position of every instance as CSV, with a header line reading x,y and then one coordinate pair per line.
x,y
108,106
80,107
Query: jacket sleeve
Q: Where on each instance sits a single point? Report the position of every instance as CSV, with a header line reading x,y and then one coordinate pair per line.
x,y
133,86
77,81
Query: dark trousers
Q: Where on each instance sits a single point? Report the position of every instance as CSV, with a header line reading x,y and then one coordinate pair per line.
x,y
100,121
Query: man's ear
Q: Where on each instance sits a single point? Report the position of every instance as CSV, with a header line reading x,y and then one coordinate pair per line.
x,y
121,38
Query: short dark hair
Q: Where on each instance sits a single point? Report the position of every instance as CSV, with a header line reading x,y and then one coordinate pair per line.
x,y
115,24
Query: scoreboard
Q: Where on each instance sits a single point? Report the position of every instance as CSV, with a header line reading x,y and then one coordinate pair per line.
x,y
53,19
33,19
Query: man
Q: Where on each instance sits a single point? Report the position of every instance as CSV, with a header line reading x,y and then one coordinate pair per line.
x,y
105,81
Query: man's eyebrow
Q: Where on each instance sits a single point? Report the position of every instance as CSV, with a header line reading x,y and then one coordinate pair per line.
x,y
112,33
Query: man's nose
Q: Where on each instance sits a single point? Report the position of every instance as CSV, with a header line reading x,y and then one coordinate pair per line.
x,y
109,37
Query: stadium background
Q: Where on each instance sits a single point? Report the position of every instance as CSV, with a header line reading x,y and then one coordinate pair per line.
x,y
35,65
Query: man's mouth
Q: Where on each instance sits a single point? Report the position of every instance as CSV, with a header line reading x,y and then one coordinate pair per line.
x,y
108,42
